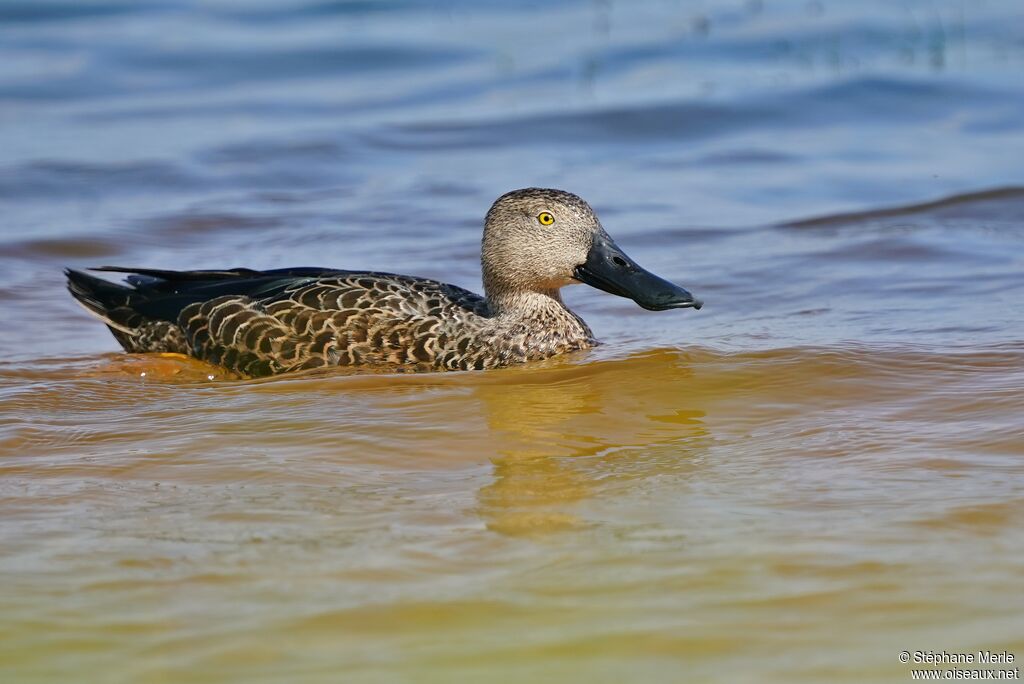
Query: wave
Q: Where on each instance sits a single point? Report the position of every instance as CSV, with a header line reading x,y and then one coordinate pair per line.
x,y
1008,201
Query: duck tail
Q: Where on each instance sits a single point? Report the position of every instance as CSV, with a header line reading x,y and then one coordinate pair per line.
x,y
117,306
111,302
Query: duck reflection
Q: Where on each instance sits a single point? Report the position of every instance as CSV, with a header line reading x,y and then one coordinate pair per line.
x,y
569,432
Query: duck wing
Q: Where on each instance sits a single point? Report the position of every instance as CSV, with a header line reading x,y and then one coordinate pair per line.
x,y
266,322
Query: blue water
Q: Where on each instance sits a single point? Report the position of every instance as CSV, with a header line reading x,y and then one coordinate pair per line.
x,y
731,113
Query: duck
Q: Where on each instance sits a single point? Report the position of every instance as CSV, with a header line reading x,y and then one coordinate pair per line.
x,y
259,323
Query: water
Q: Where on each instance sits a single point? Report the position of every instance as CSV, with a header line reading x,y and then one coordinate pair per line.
x,y
821,468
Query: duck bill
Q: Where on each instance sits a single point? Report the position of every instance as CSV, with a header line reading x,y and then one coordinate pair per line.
x,y
608,268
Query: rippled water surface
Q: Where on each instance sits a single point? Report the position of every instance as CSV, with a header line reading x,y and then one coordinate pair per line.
x,y
821,468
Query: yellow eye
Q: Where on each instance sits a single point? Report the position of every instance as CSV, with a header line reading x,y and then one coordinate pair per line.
x,y
545,218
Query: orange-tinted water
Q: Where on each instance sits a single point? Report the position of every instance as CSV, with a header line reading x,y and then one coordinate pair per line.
x,y
796,514
823,467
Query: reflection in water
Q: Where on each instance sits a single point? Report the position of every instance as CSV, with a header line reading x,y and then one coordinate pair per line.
x,y
547,425
176,368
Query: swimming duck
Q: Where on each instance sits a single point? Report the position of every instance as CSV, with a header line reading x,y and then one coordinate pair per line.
x,y
259,323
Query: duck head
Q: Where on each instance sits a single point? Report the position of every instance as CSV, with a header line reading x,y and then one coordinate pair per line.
x,y
540,240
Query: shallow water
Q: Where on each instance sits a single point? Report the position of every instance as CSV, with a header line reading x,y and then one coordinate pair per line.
x,y
821,468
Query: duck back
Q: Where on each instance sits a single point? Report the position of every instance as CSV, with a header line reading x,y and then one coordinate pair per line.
x,y
266,322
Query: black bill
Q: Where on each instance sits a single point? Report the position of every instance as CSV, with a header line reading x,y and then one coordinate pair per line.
x,y
608,268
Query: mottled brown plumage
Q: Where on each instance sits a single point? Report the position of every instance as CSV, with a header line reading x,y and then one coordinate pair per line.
x,y
265,322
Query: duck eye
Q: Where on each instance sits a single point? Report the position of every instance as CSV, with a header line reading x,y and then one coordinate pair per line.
x,y
545,218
